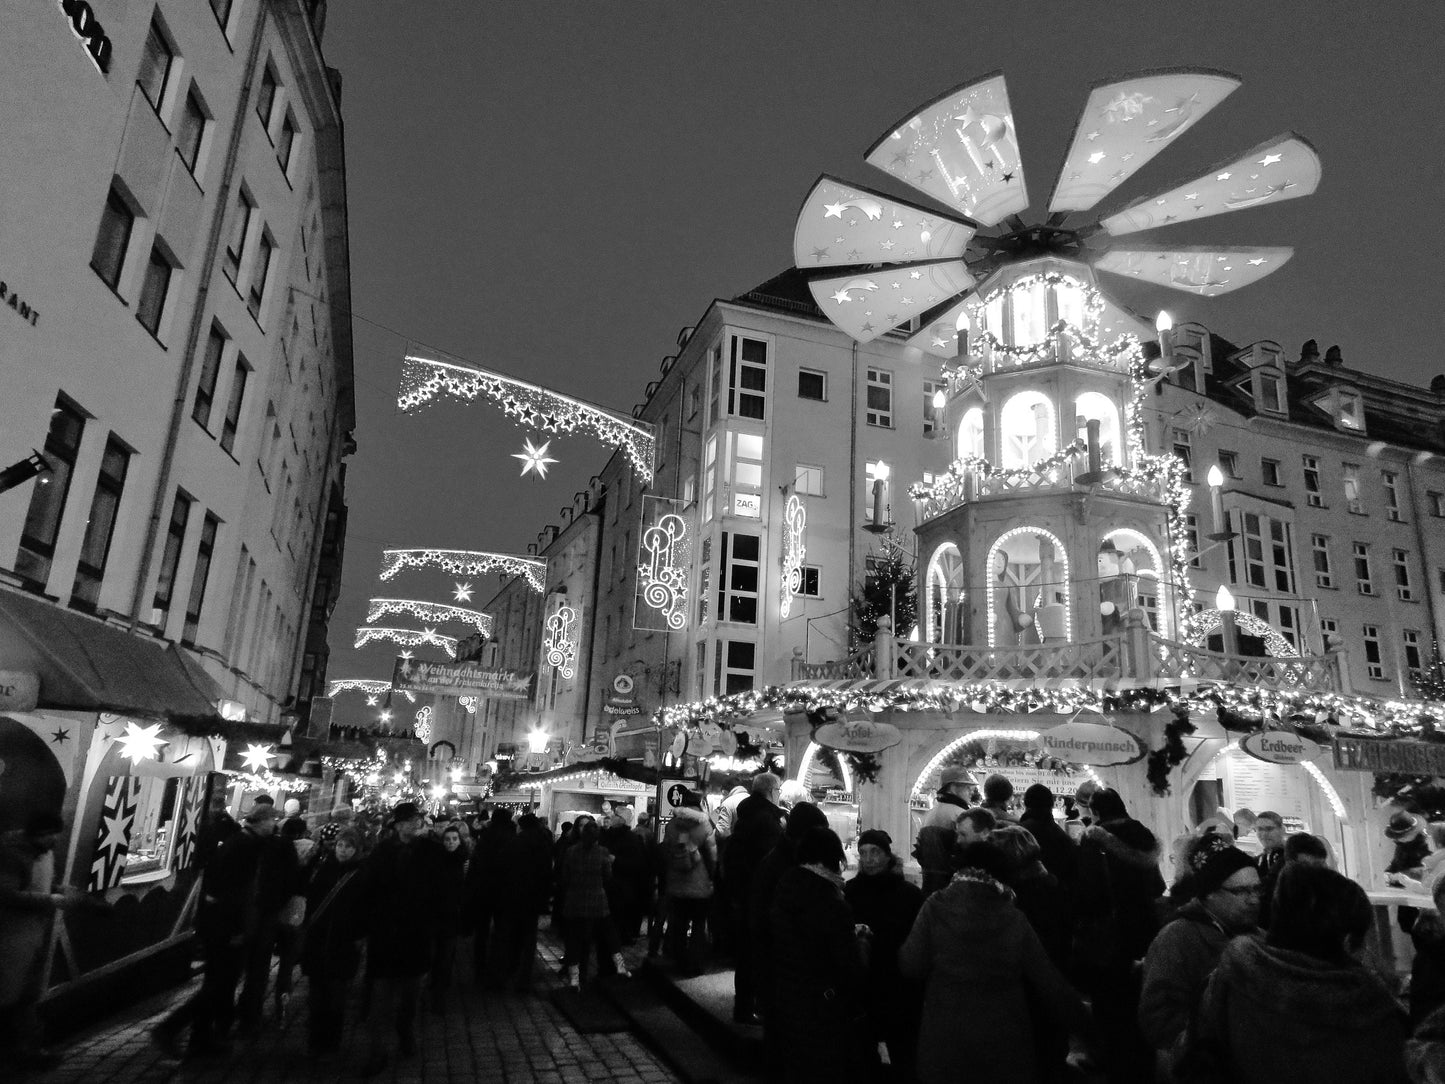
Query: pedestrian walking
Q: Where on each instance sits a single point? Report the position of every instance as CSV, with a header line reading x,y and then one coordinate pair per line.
x,y
452,873
934,846
629,873
689,857
1058,853
331,938
486,890
586,917
756,828
276,905
402,893
526,866
1037,892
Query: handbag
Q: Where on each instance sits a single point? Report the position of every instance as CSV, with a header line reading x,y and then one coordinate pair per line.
x,y
315,916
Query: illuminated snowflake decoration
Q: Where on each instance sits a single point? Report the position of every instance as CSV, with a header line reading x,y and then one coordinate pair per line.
x,y
795,521
535,458
140,743
662,569
462,592
426,379
371,686
465,563
560,642
257,758
423,724
428,611
367,634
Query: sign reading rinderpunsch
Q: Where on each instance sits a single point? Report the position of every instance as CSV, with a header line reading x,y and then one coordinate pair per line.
x,y
460,679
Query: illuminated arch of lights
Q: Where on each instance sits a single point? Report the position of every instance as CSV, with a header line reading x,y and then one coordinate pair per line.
x,y
465,563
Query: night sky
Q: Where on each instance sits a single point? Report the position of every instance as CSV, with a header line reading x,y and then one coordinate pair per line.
x,y
554,189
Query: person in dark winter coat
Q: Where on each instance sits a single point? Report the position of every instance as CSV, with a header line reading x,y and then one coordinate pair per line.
x,y
756,828
486,890
819,974
998,794
802,818
935,843
586,915
1059,853
629,873
1116,918
1299,1005
1427,972
1425,1052
689,860
1221,892
887,904
331,944
526,868
994,1007
450,913
402,892
279,877
1037,892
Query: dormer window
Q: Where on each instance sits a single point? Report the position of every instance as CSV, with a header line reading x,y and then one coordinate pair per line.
x,y
1269,392
1349,410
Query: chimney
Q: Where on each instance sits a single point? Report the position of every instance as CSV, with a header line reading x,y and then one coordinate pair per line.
x,y
1333,358
1309,353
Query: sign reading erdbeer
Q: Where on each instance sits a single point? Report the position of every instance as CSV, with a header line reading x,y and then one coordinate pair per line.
x,y
459,679
1384,755
1092,743
1279,747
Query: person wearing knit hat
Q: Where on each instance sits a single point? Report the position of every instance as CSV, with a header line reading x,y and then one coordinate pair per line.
x,y
884,901
1223,890
1060,855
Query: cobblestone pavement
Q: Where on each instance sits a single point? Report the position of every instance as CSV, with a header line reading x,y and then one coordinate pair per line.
x,y
484,1036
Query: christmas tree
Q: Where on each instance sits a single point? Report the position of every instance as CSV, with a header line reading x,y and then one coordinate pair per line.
x,y
888,590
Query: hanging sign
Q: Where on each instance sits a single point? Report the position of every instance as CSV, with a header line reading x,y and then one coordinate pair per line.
x,y
1383,755
621,697
460,679
861,735
19,690
1279,747
663,560
1092,743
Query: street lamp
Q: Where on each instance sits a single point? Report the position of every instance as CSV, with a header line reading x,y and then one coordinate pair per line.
x,y
537,741
1215,478
879,524
1229,629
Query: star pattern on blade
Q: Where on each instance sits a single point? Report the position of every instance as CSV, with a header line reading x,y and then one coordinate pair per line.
x,y
60,737
462,592
535,458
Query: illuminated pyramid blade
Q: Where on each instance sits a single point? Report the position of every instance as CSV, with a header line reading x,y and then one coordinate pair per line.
x,y
1125,124
867,304
1206,270
962,150
843,224
1283,168
939,336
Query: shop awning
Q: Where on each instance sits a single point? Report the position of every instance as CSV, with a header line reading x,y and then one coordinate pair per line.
x,y
87,665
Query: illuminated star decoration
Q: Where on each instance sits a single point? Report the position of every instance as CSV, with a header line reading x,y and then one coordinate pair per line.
x,y
257,758
386,717
372,701
140,743
462,592
534,458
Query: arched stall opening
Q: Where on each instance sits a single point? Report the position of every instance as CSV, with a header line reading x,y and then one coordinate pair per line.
x,y
1131,573
1027,431
1028,589
944,598
824,778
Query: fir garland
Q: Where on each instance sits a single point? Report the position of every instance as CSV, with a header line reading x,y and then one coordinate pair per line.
x,y
1163,760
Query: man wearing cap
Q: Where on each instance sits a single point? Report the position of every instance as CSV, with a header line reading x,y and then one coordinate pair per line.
x,y
936,835
1223,886
1407,832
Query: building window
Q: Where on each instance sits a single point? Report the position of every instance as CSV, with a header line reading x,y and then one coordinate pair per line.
x,y
1353,500
112,239
1191,539
748,378
880,398
1229,463
171,559
1314,496
932,415
738,578
812,385
738,673
1267,553
694,401
157,285
240,231
1269,472
234,404
1401,561
1392,494
808,584
807,480
204,550
1351,411
193,128
1437,503
286,142
1374,663
257,292
1270,396
155,67
709,478
1329,633
1320,546
714,386
266,100
747,474
1184,451
1411,639
100,527
210,371
1363,580
47,499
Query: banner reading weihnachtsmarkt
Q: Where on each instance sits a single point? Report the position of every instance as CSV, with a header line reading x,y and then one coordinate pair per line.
x,y
460,679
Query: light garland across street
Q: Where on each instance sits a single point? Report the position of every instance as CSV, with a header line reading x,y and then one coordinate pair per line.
x,y
465,563
426,379
370,686
406,638
428,611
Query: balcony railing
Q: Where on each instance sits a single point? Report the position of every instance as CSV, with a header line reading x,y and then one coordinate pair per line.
x,y
1174,660
952,491
857,665
1035,662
